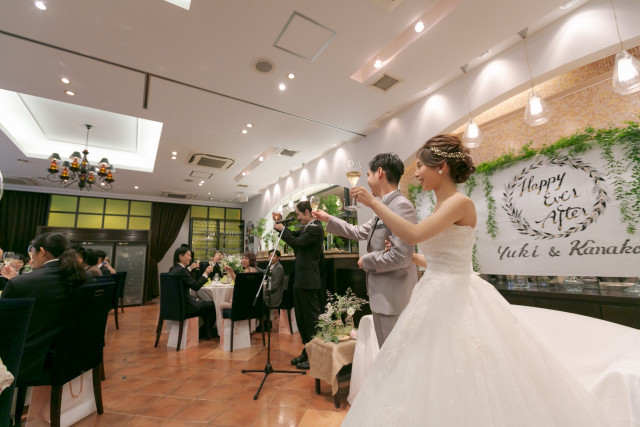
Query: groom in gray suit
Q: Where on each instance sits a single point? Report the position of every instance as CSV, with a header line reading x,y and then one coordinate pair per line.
x,y
390,275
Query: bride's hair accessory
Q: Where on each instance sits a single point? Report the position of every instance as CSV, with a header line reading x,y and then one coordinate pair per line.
x,y
455,155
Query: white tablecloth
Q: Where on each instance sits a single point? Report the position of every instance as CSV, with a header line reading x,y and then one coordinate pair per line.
x,y
218,294
603,356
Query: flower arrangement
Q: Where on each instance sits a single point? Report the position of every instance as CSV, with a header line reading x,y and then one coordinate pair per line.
x,y
330,324
233,261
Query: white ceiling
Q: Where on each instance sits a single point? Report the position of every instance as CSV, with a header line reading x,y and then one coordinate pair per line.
x,y
204,91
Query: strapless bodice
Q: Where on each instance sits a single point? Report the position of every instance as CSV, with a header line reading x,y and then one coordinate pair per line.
x,y
450,252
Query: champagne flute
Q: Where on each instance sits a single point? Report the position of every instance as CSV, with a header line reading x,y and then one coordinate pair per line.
x,y
314,201
9,258
353,172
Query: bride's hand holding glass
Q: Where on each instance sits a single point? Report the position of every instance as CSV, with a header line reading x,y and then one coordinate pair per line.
x,y
361,195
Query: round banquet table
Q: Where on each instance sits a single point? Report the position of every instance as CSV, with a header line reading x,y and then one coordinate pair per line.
x,y
218,293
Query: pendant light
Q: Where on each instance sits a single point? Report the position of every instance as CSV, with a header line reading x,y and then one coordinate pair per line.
x,y
471,137
537,111
626,70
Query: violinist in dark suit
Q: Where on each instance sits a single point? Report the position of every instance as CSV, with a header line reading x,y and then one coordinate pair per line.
x,y
55,277
182,267
307,245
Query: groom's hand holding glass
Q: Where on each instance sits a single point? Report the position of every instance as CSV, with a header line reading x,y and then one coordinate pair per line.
x,y
361,195
320,215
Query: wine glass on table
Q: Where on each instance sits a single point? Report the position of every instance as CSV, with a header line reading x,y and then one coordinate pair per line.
x,y
353,172
314,201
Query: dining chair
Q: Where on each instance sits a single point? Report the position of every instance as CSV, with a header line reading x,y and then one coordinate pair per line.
x,y
77,349
245,305
287,299
172,305
15,314
114,299
121,280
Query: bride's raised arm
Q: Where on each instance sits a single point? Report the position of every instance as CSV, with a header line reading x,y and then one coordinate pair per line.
x,y
455,209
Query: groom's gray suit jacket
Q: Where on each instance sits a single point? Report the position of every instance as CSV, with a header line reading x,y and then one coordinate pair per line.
x,y
390,275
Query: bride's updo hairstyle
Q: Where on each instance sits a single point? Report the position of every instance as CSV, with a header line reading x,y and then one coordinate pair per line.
x,y
448,149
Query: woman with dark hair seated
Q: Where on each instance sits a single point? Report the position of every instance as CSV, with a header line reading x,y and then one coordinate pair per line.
x,y
248,262
55,277
93,268
182,267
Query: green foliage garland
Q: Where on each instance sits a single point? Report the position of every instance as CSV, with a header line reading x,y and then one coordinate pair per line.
x,y
492,226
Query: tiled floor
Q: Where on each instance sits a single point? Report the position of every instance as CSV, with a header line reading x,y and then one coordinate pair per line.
x,y
149,386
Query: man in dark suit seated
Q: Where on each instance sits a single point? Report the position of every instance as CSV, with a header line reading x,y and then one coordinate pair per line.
x,y
193,306
55,277
273,298
216,259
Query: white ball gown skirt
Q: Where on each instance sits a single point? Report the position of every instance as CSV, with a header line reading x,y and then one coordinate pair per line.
x,y
459,356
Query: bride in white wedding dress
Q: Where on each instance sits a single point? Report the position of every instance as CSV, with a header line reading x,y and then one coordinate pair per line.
x,y
458,356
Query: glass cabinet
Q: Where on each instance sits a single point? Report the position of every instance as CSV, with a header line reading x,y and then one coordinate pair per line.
x,y
215,228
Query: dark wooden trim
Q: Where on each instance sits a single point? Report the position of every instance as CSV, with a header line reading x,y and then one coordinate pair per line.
x,y
94,234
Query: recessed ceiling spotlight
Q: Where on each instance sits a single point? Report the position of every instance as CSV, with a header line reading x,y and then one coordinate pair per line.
x,y
200,184
102,183
173,157
484,54
209,194
174,153
260,158
291,76
419,27
70,93
244,131
378,63
136,187
249,125
568,5
40,5
244,173
282,86
65,80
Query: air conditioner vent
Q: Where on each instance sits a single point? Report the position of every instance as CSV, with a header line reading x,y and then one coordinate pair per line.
x,y
19,180
385,82
176,195
211,161
287,152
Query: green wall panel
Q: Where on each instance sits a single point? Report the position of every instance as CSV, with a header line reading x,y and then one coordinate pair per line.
x,y
198,212
91,205
115,222
61,220
117,207
63,203
89,221
140,208
234,213
216,213
139,223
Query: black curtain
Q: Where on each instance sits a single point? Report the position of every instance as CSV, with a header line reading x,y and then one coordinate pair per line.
x,y
166,221
20,214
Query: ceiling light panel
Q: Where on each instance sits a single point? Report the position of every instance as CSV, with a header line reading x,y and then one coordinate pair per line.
x,y
304,37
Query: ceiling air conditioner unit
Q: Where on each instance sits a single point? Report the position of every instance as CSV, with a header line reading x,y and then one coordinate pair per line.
x,y
211,161
178,195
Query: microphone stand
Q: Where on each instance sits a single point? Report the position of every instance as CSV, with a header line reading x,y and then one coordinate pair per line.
x,y
268,369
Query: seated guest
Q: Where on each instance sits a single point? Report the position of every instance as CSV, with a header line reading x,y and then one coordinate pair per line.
x,y
248,263
182,267
55,277
81,255
216,261
93,267
103,262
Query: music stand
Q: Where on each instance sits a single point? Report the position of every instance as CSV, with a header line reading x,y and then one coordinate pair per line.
x,y
268,369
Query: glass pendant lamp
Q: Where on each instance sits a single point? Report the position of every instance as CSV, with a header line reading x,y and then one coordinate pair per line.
x,y
537,112
626,70
471,138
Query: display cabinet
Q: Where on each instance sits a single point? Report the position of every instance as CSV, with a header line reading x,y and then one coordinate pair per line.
x,y
209,235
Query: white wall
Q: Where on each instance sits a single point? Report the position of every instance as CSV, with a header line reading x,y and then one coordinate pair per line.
x,y
586,35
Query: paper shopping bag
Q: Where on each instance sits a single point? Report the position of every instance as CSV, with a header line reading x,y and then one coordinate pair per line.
x,y
78,402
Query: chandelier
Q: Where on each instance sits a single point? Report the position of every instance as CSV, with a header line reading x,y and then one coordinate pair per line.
x,y
79,170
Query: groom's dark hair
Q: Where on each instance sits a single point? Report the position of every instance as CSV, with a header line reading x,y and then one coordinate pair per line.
x,y
390,164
